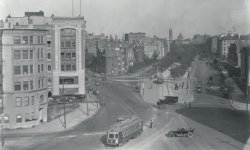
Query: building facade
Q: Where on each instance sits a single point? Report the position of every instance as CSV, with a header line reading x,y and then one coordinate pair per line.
x,y
68,38
200,39
55,47
138,37
154,45
225,42
24,77
244,41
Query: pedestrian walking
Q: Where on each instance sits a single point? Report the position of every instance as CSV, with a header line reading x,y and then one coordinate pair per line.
x,y
151,124
176,86
182,85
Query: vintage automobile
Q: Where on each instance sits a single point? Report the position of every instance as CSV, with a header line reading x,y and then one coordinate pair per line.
x,y
181,132
167,100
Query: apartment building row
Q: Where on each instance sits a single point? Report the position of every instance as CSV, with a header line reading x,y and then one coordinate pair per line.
x,y
39,56
220,45
119,54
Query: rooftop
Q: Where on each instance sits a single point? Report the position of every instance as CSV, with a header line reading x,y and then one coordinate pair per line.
x,y
39,13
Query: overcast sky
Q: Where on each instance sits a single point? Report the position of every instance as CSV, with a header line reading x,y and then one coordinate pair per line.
x,y
154,17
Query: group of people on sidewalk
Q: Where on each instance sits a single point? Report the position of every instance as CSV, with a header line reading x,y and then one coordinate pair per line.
x,y
178,86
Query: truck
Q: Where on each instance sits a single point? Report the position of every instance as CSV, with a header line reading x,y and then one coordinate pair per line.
x,y
167,100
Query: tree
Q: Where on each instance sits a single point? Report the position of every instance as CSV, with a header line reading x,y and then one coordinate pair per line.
x,y
89,58
155,55
232,57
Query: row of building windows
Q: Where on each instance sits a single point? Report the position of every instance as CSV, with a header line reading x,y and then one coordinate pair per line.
x,y
68,44
28,54
28,85
28,40
28,101
25,69
19,118
68,67
23,54
28,69
68,55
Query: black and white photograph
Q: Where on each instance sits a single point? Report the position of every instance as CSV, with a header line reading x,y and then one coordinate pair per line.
x,y
124,74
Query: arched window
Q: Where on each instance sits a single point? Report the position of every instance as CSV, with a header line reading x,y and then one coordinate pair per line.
x,y
41,99
19,118
6,118
49,94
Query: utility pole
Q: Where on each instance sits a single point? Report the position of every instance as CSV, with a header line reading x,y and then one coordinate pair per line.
x,y
247,81
80,7
72,8
2,128
64,107
142,85
87,106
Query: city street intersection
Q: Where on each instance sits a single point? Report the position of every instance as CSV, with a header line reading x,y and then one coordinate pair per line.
x,y
217,125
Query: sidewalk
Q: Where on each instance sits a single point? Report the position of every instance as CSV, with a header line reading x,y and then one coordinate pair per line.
x,y
153,92
72,119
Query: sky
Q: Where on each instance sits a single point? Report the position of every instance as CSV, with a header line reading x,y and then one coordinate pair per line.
x,y
154,17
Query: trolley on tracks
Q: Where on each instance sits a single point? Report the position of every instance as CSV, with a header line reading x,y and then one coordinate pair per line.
x,y
123,131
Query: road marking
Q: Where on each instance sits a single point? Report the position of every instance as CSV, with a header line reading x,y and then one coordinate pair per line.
x,y
95,133
68,136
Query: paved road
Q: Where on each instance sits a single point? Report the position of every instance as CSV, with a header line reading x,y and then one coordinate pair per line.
x,y
216,125
120,100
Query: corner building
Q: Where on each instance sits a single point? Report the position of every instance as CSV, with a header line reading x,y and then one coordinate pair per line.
x,y
41,57
24,77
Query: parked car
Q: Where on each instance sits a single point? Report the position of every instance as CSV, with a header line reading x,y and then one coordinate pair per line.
x,y
181,132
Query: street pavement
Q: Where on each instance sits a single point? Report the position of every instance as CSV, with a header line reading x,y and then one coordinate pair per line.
x,y
217,125
120,100
72,119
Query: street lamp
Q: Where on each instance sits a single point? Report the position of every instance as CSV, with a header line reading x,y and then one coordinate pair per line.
x,y
2,128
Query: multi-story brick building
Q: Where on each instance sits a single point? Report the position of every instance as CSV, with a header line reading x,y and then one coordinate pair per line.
x,y
137,37
154,45
57,48
200,39
224,43
24,77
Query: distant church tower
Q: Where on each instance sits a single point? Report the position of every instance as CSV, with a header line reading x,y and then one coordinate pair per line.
x,y
170,38
170,34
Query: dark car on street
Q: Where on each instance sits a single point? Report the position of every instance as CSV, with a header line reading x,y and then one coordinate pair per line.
x,y
181,132
167,100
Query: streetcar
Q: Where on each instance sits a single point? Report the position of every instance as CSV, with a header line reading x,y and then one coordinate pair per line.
x,y
121,132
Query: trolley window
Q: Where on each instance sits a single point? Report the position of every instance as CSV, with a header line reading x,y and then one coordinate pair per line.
x,y
111,136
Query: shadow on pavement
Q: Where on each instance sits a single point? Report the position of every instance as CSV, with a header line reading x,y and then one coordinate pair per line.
x,y
232,123
103,140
